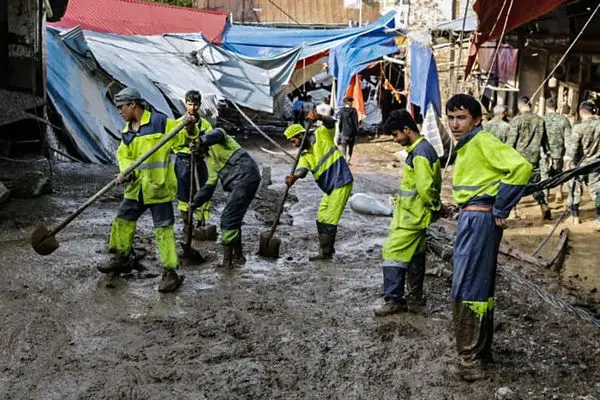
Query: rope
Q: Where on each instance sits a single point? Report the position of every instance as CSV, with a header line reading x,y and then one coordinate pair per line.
x,y
462,33
497,50
549,298
566,53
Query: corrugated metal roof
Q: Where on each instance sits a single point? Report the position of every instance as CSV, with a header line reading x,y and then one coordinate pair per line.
x,y
132,17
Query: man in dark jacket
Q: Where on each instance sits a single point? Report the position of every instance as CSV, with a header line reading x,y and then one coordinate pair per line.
x,y
348,118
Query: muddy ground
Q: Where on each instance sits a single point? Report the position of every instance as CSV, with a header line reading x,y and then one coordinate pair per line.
x,y
272,329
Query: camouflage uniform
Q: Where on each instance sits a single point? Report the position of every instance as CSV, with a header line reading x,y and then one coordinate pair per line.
x,y
584,148
558,129
527,134
499,127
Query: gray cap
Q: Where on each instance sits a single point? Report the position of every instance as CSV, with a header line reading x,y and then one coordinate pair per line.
x,y
126,96
499,109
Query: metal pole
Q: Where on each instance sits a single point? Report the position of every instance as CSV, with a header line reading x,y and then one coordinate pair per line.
x,y
360,13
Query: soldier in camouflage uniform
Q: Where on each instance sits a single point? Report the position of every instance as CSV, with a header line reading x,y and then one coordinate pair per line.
x,y
582,149
498,125
558,129
527,134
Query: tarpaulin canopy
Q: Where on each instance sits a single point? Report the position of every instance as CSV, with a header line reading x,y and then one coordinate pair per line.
x,y
493,14
131,17
424,80
160,67
356,54
262,42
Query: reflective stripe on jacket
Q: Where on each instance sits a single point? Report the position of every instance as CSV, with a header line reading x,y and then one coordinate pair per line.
x,y
419,194
155,177
203,127
487,169
325,161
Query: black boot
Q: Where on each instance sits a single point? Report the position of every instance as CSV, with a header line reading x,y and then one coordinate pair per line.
x,y
185,215
326,241
415,276
238,253
170,280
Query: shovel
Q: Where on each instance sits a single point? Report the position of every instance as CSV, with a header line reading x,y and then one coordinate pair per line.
x,y
204,232
189,252
269,244
43,240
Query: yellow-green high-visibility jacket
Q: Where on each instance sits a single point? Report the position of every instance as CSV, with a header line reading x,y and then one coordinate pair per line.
x,y
155,179
203,127
324,160
419,194
490,172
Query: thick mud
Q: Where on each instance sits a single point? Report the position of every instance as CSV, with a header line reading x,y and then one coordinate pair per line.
x,y
272,329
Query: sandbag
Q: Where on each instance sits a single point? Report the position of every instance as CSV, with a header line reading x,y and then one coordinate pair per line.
x,y
365,204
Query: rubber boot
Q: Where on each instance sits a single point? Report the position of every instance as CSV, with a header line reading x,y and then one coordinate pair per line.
x,y
170,281
327,234
546,214
118,264
238,253
415,297
227,256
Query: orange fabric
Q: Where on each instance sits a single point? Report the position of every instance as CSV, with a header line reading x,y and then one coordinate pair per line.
x,y
355,92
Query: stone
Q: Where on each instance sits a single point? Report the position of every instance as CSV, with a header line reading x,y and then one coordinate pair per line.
x,y
505,393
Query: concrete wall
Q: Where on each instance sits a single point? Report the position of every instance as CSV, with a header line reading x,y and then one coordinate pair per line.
x,y
22,29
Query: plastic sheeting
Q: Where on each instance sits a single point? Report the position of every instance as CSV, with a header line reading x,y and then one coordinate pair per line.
x,y
350,58
262,42
424,80
160,67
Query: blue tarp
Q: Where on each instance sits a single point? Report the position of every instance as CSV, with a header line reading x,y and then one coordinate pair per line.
x,y
350,58
261,42
424,81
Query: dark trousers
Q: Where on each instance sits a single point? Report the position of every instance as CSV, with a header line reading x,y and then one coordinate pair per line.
x,y
473,284
347,148
394,279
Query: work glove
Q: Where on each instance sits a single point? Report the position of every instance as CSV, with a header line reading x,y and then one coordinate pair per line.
x,y
313,116
291,179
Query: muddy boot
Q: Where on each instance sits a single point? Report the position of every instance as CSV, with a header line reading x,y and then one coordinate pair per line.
x,y
118,265
170,280
325,248
468,371
415,297
391,307
546,214
227,256
238,253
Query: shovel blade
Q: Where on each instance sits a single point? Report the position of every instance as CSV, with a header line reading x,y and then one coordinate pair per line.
x,y
206,233
42,243
269,246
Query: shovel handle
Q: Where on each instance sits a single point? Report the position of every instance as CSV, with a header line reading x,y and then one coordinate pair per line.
x,y
112,183
287,188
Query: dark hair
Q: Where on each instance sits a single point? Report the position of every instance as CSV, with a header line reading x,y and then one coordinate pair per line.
x,y
524,100
566,109
348,99
464,102
398,120
193,96
551,103
588,106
